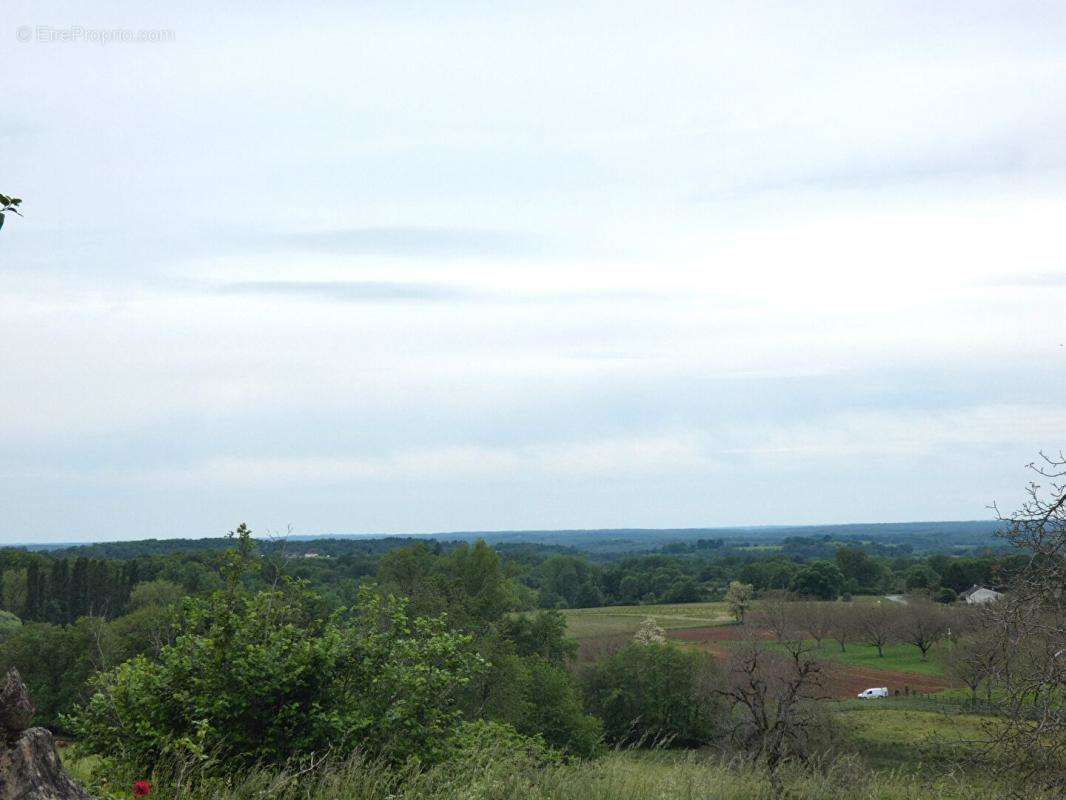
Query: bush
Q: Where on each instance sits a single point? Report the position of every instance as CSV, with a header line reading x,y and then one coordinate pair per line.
x,y
655,694
482,743
264,679
946,595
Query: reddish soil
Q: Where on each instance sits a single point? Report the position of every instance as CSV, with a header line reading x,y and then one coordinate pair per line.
x,y
716,633
846,681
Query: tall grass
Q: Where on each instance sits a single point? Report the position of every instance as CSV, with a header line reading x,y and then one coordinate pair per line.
x,y
617,776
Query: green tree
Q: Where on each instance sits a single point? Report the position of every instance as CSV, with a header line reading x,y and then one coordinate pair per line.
x,y
14,596
856,565
9,625
263,677
921,576
655,694
54,661
540,634
157,594
820,579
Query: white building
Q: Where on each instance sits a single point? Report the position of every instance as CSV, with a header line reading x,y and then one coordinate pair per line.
x,y
979,594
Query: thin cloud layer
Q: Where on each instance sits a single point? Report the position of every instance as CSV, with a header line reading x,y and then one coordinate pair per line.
x,y
411,267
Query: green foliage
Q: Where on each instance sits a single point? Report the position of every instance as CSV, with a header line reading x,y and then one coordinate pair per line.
x,y
483,744
569,582
532,692
821,579
264,678
921,576
655,694
468,583
158,593
9,625
946,595
540,634
856,565
54,661
9,204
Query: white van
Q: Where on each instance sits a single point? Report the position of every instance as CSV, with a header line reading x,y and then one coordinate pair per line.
x,y
871,693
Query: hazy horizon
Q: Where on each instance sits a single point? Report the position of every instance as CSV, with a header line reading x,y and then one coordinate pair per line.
x,y
468,266
491,531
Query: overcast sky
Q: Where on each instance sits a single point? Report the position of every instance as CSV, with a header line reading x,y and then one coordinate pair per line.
x,y
390,267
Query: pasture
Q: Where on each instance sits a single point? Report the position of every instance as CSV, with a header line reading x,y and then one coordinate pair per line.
x,y
619,621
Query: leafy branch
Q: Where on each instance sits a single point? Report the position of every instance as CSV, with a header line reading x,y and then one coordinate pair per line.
x,y
9,204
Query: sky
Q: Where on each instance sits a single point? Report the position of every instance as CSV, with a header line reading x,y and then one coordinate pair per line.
x,y
395,267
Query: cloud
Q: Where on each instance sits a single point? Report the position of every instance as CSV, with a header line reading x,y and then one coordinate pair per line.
x,y
351,291
408,241
597,458
1045,280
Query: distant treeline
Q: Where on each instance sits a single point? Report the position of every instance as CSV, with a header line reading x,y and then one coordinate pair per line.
x,y
888,539
96,580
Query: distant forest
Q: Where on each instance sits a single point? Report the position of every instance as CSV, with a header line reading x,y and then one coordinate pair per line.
x,y
606,543
555,569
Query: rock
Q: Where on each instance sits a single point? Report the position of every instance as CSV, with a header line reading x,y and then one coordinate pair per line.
x,y
16,710
31,770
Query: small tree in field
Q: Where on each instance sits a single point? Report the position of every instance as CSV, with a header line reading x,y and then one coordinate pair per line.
x,y
922,624
843,624
739,598
772,693
777,614
876,623
815,619
970,659
650,632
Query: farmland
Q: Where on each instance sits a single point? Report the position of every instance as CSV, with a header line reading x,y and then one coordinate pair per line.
x,y
595,623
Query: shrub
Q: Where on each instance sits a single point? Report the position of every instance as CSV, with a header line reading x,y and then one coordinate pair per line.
x,y
946,595
655,694
264,678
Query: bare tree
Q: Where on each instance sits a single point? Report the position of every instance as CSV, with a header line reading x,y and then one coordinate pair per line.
x,y
776,614
815,619
969,660
921,623
772,693
843,624
876,624
1028,630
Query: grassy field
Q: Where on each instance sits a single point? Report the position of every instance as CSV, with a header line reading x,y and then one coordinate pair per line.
x,y
593,623
901,657
888,737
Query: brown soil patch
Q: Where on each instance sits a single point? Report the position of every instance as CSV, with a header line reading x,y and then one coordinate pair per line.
x,y
715,633
844,681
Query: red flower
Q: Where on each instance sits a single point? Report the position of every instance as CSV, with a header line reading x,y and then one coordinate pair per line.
x,y
142,789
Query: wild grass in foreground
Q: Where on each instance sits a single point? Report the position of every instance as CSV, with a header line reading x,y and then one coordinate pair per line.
x,y
617,776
